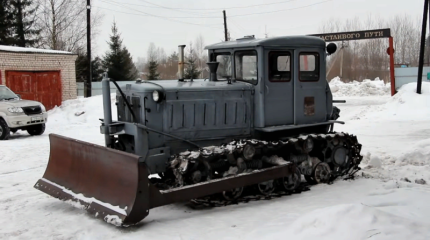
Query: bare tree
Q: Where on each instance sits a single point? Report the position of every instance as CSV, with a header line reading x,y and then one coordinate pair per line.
x,y
201,55
63,24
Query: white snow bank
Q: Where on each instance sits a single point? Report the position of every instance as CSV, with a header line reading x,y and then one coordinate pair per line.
x,y
367,87
406,104
352,221
417,154
411,165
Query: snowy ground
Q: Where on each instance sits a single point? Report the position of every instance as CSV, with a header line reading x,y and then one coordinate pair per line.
x,y
384,202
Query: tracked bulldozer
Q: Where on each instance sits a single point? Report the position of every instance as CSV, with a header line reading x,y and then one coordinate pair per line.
x,y
263,119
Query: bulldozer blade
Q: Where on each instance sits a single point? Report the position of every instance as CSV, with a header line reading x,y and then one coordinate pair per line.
x,y
108,183
114,185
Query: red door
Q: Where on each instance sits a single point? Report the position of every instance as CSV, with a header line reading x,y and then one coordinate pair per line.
x,y
44,87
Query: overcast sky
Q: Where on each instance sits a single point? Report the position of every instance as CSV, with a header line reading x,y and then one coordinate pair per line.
x,y
175,22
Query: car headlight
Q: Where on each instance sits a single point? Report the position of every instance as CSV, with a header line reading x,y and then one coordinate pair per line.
x,y
15,110
43,108
156,95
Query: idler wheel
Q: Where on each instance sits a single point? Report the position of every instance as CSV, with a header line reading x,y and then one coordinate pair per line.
x,y
340,156
266,188
292,182
321,173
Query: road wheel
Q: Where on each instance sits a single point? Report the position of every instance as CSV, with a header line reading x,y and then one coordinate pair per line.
x,y
36,129
4,130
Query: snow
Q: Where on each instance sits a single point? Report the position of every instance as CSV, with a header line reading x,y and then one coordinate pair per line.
x,y
79,196
28,49
367,87
388,199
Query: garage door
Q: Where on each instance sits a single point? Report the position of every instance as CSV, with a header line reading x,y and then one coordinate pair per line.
x,y
44,87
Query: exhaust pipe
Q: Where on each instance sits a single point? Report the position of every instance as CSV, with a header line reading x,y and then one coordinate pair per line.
x,y
213,66
107,111
181,64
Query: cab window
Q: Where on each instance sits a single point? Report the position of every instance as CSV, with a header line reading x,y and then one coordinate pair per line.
x,y
279,66
309,67
246,66
224,70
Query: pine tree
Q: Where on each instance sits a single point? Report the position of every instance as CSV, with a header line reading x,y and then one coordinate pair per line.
x,y
25,33
191,72
152,70
6,23
118,61
82,68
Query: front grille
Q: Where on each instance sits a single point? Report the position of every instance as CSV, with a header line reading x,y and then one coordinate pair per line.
x,y
123,111
32,110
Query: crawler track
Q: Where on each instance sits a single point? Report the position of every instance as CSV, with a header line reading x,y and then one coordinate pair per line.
x,y
330,156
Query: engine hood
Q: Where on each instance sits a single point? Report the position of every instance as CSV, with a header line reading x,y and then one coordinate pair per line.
x,y
196,85
20,103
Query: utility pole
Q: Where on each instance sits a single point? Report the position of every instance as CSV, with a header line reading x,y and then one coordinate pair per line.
x,y
265,31
341,59
225,26
423,39
87,85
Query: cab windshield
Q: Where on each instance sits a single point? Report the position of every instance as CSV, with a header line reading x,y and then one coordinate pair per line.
x,y
6,94
224,70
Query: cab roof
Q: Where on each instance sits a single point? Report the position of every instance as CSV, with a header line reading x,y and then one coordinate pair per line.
x,y
289,41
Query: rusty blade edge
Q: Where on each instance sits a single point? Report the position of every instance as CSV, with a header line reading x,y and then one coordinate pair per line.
x,y
105,211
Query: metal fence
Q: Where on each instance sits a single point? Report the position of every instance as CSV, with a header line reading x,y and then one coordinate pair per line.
x,y
409,74
96,87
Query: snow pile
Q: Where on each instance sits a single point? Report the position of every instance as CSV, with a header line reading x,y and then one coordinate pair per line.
x,y
367,87
398,136
352,221
80,119
411,165
407,105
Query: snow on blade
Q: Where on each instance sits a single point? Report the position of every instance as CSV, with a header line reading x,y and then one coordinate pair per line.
x,y
113,219
81,197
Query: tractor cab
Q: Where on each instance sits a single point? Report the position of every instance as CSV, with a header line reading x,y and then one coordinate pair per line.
x,y
288,74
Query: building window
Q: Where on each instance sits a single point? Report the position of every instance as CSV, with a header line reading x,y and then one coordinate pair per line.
x,y
309,67
279,66
246,66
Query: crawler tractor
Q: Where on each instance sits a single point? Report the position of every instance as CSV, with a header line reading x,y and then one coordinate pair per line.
x,y
263,119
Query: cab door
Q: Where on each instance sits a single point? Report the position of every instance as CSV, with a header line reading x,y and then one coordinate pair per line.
x,y
309,87
278,87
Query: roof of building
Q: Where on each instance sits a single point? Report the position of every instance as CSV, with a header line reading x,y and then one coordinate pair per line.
x,y
293,41
4,48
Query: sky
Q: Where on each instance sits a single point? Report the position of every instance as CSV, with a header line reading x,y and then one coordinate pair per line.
x,y
169,23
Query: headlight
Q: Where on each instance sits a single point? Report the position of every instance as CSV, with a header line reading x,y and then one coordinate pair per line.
x,y
15,110
156,95
43,108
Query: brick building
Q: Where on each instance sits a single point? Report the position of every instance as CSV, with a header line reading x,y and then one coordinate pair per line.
x,y
46,76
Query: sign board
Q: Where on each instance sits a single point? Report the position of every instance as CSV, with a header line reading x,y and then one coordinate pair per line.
x,y
358,35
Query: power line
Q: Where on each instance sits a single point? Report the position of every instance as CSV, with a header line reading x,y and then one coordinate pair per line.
x,y
147,6
122,5
218,9
282,10
166,18
239,15
242,29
